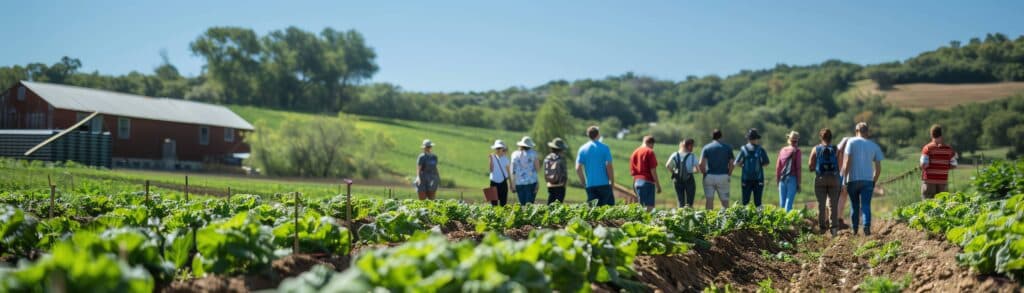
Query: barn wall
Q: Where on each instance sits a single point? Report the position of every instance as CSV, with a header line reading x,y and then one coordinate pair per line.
x,y
32,113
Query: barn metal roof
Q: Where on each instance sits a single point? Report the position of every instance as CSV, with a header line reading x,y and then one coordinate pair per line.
x,y
135,106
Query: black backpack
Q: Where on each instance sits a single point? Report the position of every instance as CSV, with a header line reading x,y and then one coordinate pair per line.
x,y
554,169
826,162
680,173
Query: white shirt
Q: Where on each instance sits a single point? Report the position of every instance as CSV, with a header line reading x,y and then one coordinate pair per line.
x,y
499,170
524,168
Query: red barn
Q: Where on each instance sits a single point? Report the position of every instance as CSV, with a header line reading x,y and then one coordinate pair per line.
x,y
146,132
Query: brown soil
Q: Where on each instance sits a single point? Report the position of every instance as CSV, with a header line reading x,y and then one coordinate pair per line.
x,y
930,262
729,260
283,268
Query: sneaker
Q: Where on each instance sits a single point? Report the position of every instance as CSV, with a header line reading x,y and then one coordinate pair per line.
x,y
834,231
867,231
854,231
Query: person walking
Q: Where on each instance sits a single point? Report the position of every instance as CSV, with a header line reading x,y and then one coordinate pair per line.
x,y
824,162
555,172
594,168
862,165
937,159
752,160
787,171
499,170
716,165
643,165
682,164
843,195
427,176
524,171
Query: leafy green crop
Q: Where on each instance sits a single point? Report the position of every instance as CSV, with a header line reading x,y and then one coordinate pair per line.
x,y
316,234
17,231
236,245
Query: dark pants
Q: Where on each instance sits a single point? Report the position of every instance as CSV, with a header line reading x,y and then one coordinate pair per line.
x,y
502,193
753,189
603,194
556,194
860,202
826,189
686,190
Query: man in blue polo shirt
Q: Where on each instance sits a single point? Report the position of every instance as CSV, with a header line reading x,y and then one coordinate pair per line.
x,y
716,162
594,167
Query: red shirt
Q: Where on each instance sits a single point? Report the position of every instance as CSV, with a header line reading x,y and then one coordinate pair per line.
x,y
940,158
641,163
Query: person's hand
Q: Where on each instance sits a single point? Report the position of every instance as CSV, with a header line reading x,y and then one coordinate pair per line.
x,y
513,188
536,188
658,188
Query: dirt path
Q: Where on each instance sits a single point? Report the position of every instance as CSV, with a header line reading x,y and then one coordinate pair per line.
x,y
930,264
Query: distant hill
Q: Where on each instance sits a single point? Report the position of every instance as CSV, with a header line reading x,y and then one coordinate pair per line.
x,y
918,96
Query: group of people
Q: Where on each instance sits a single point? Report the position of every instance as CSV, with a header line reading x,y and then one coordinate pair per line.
x,y
847,170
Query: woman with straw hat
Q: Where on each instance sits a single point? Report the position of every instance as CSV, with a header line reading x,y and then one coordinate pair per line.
x,y
499,169
427,176
787,171
556,173
524,171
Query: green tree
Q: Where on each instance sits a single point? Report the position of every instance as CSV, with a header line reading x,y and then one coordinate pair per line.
x,y
552,120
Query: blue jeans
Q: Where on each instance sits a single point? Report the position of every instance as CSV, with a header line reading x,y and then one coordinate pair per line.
x,y
526,193
787,192
755,189
860,193
603,194
645,191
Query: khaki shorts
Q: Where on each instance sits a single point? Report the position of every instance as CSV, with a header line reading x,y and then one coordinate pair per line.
x,y
929,190
716,183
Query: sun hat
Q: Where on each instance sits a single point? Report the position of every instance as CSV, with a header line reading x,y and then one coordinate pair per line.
x,y
526,142
498,144
752,134
427,143
558,144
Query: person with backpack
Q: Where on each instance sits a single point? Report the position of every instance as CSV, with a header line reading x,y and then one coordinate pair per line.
x,y
524,171
824,162
752,160
862,166
937,159
682,164
499,170
643,165
555,172
787,171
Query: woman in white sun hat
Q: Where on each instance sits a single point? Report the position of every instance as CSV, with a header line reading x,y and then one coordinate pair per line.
x,y
427,176
524,171
498,166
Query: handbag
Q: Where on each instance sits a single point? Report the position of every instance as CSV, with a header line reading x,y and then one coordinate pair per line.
x,y
491,193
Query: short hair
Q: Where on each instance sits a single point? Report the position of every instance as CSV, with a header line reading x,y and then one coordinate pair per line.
x,y
593,132
826,135
936,131
688,142
716,134
648,139
861,127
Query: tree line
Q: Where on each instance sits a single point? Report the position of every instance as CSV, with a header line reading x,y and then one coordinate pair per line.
x,y
298,70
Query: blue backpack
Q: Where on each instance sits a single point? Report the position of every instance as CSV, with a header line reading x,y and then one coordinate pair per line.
x,y
826,161
752,169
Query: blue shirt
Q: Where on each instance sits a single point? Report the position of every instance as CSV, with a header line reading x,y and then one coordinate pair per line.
x,y
594,156
863,153
717,155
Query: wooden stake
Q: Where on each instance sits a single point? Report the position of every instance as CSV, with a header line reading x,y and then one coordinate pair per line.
x,y
147,190
53,192
229,193
461,198
295,250
186,187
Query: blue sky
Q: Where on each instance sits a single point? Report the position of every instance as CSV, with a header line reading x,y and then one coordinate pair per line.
x,y
480,45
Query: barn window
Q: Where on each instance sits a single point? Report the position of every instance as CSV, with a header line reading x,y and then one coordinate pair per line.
x,y
204,135
124,128
229,134
21,93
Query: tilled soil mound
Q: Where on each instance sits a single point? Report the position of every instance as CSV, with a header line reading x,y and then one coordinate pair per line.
x,y
281,269
735,258
930,263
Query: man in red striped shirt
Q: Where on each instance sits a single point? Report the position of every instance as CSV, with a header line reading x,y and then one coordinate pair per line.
x,y
937,158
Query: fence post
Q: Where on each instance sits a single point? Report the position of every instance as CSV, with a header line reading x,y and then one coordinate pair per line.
x,y
229,193
461,197
147,190
53,191
295,250
72,182
186,187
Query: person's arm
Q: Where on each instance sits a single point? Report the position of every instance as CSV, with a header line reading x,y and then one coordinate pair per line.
x,y
611,173
812,159
796,167
653,161
878,171
924,158
739,159
579,173
778,165
731,166
702,166
668,164
536,166
846,166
